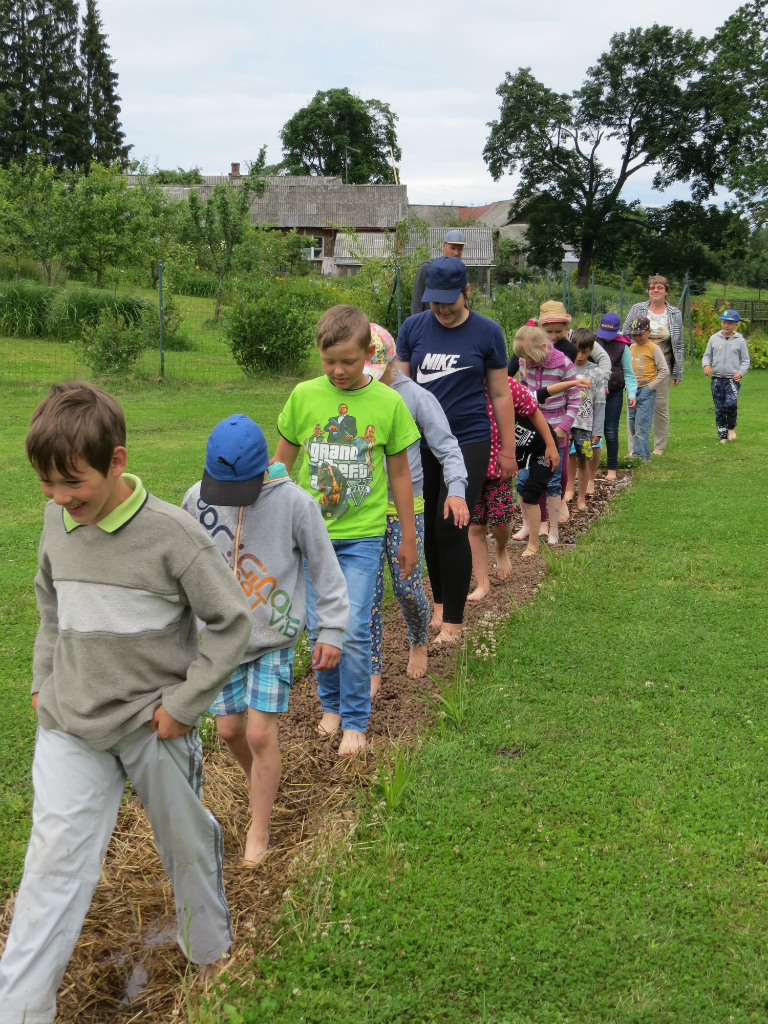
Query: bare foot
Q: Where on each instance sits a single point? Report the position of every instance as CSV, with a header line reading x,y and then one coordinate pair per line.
x,y
478,594
417,662
565,512
256,848
731,435
375,685
568,496
553,539
581,505
503,564
530,552
610,474
658,451
437,617
723,440
521,534
207,972
449,634
591,488
351,742
328,724
543,529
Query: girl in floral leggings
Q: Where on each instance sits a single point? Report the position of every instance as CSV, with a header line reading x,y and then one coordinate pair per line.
x,y
433,424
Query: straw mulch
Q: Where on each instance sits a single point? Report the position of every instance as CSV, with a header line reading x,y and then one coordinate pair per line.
x,y
127,965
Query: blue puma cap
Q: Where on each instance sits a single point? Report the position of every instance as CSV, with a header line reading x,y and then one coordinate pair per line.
x,y
236,459
731,315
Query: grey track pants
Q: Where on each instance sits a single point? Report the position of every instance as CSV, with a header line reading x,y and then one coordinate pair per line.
x,y
77,794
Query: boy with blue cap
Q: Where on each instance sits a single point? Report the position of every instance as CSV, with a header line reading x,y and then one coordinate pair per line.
x,y
726,360
265,527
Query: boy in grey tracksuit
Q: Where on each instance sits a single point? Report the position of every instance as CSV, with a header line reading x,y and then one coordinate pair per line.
x,y
726,360
265,528
119,683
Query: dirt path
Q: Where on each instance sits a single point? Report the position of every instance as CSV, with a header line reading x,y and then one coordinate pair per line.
x,y
127,966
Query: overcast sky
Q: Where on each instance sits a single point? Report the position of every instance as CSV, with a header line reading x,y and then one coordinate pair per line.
x,y
207,83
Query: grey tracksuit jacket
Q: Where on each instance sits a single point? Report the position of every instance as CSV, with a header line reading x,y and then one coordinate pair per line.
x,y
726,356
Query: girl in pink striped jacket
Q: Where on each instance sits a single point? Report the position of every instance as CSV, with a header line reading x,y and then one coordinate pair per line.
x,y
543,367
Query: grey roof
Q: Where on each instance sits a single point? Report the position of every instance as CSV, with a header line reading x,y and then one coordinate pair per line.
x,y
436,216
496,215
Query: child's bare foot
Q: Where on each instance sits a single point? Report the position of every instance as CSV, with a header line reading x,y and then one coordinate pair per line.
x,y
503,564
207,972
437,617
375,685
478,594
553,539
565,512
723,440
731,435
568,496
610,474
417,662
328,724
351,742
591,489
530,552
449,634
256,848
658,451
543,529
581,504
521,534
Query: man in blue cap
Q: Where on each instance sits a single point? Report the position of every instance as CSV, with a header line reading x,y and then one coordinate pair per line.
x,y
453,245
265,526
726,360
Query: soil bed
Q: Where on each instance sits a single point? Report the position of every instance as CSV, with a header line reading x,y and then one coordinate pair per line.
x,y
127,966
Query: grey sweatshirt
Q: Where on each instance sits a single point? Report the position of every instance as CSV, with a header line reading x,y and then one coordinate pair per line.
x,y
591,414
118,631
601,358
283,526
436,431
726,356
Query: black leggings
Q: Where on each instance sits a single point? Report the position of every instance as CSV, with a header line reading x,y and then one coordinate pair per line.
x,y
446,547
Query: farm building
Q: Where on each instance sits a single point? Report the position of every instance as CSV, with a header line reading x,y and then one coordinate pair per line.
x,y
351,249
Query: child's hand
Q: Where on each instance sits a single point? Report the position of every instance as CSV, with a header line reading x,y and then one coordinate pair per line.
x,y
506,465
631,402
407,557
595,438
560,433
166,726
582,382
552,455
708,371
460,511
737,376
325,656
34,701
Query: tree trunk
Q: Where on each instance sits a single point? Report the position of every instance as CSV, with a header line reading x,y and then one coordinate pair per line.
x,y
218,299
48,267
585,262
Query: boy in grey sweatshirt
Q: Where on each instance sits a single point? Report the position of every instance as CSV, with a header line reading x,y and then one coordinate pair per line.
x,y
119,683
589,421
432,422
726,360
266,527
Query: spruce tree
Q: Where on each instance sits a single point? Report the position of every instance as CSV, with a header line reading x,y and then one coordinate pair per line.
x,y
103,139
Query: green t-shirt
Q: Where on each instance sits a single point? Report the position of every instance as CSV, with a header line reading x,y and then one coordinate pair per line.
x,y
345,435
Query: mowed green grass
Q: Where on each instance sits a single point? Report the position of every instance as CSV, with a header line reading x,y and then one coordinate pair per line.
x,y
617,871
168,425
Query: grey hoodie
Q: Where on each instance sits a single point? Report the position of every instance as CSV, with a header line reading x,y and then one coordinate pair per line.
x,y
280,528
726,356
436,431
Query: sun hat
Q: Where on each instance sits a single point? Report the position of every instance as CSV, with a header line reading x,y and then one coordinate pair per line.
x,y
236,458
639,325
731,315
384,351
553,312
609,327
455,237
446,276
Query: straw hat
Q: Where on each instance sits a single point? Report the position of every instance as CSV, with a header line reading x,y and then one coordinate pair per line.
x,y
552,312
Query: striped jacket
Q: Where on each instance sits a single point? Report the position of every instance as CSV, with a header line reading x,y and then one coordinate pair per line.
x,y
559,410
675,316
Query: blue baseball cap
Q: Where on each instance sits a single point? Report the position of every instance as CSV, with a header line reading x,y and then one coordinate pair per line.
x,y
236,459
730,314
446,276
609,326
455,237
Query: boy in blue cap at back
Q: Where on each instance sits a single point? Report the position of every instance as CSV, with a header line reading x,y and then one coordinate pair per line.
x,y
726,360
264,525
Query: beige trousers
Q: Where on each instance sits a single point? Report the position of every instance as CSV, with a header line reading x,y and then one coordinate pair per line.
x,y
661,414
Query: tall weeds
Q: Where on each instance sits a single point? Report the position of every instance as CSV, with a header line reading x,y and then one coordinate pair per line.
x,y
28,310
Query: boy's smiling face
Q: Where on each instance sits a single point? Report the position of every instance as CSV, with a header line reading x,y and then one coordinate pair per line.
x,y
728,327
344,363
83,491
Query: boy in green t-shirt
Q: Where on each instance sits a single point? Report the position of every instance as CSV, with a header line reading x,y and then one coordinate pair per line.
x,y
346,421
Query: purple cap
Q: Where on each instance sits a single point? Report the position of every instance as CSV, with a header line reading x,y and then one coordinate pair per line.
x,y
609,326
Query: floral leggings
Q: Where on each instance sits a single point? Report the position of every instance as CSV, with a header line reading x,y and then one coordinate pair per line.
x,y
409,592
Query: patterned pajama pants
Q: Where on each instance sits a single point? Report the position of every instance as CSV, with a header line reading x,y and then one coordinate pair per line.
x,y
409,592
725,395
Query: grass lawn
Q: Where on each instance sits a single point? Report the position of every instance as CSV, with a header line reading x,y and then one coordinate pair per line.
x,y
617,871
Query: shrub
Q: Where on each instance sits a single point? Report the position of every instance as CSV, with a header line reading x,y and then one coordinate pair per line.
x,y
34,311
172,321
111,346
758,353
269,328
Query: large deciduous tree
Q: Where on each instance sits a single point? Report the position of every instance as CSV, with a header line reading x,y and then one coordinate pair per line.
x,y
339,134
638,107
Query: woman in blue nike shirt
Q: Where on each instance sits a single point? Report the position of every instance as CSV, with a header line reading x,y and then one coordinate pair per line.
x,y
450,350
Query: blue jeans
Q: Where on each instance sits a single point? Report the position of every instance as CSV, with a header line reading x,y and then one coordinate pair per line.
x,y
640,421
614,401
346,689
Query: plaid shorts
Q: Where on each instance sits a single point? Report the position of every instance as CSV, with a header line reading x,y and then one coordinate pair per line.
x,y
263,684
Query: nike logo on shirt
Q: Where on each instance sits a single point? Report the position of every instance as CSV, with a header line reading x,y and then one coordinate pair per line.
x,y
439,365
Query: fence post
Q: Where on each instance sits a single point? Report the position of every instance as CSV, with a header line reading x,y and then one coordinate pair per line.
x,y
565,297
621,299
160,304
592,314
690,315
399,300
549,284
